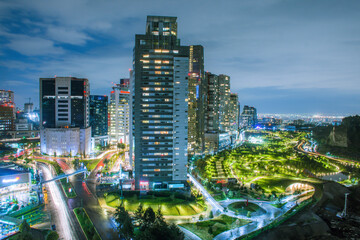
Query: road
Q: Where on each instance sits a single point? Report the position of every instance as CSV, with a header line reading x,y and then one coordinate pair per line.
x,y
216,206
66,223
88,200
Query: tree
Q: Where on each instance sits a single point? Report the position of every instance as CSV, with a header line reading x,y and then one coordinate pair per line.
x,y
76,162
139,213
125,225
24,227
211,215
155,227
53,235
121,146
25,232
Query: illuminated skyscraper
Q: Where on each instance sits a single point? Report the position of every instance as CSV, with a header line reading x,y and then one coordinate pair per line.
x,y
119,112
99,119
212,107
197,99
234,112
64,116
248,116
7,112
224,103
160,106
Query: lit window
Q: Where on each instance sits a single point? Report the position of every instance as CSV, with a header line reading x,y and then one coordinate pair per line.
x,y
146,56
158,50
157,72
157,61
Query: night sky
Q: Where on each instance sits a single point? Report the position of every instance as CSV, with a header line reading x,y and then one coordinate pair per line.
x,y
282,56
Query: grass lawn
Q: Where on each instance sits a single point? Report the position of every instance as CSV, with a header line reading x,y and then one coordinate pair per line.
x,y
169,207
241,208
86,224
90,164
210,228
279,184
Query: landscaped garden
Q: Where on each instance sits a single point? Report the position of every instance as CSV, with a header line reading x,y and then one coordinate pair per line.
x,y
171,204
264,168
243,208
90,164
208,229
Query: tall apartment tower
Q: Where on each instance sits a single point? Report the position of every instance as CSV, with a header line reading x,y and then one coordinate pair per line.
x,y
234,112
7,112
64,116
99,119
160,106
119,112
248,116
224,103
212,107
196,101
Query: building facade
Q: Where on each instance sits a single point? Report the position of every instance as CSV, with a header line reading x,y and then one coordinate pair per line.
x,y
7,113
234,112
99,120
212,104
160,106
196,101
224,103
248,117
119,112
64,116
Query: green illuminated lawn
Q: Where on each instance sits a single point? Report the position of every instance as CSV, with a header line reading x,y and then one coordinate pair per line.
x,y
169,206
210,228
241,208
272,165
90,164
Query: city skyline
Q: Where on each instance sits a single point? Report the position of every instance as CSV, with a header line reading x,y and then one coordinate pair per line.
x,y
284,57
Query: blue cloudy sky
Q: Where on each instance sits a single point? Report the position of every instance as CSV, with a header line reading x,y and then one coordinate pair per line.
x,y
282,56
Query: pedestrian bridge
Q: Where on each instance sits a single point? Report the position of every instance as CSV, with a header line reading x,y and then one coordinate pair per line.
x,y
84,170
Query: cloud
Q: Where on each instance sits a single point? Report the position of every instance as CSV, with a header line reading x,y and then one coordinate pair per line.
x,y
67,35
274,44
32,46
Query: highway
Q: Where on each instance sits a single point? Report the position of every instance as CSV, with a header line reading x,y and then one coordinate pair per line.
x,y
86,199
65,220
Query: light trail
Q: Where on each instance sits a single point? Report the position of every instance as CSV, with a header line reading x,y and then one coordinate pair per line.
x,y
207,196
60,205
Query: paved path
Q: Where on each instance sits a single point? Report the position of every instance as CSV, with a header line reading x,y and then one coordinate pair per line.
x,y
189,235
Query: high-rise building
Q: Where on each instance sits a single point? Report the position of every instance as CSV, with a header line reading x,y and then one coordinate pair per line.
x,y
6,96
234,112
160,106
99,119
196,101
28,107
248,116
7,112
119,112
212,104
64,116
224,103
